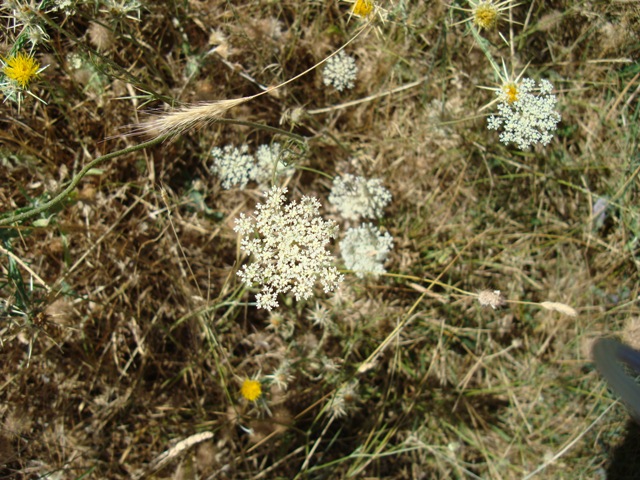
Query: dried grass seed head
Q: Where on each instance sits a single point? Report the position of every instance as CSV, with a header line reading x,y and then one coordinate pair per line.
x,y
100,36
491,298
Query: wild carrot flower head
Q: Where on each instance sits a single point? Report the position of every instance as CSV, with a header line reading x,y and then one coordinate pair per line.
x,y
358,197
340,71
287,243
365,249
251,390
21,69
234,166
271,161
526,112
491,298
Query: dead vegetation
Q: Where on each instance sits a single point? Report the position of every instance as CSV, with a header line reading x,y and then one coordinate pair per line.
x,y
126,333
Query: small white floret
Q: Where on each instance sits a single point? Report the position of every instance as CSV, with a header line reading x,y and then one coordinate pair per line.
x,y
358,197
365,249
340,72
234,166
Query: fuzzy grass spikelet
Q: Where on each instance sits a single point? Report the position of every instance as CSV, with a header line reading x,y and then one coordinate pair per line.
x,y
357,197
340,72
287,243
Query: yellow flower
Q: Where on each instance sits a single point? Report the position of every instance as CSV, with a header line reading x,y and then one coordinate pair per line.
x,y
486,13
510,90
21,68
362,8
251,389
510,85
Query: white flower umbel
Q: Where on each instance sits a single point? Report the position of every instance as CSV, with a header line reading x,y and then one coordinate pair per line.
x,y
526,113
340,72
272,161
234,166
365,249
287,243
356,197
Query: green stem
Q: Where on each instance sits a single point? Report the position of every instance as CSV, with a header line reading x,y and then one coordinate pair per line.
x,y
260,126
74,182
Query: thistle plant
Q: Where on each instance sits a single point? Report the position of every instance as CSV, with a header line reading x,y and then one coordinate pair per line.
x,y
26,20
357,197
362,8
485,14
18,71
340,72
287,243
251,389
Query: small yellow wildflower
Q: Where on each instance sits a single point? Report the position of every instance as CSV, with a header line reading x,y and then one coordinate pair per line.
x,y
510,85
21,68
251,389
510,90
485,15
362,8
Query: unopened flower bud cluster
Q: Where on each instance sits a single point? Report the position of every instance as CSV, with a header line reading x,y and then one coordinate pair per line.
x,y
365,249
357,197
287,243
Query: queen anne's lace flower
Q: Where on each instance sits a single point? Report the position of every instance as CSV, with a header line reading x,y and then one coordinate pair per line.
x,y
340,72
271,161
527,113
288,247
357,197
365,249
234,166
